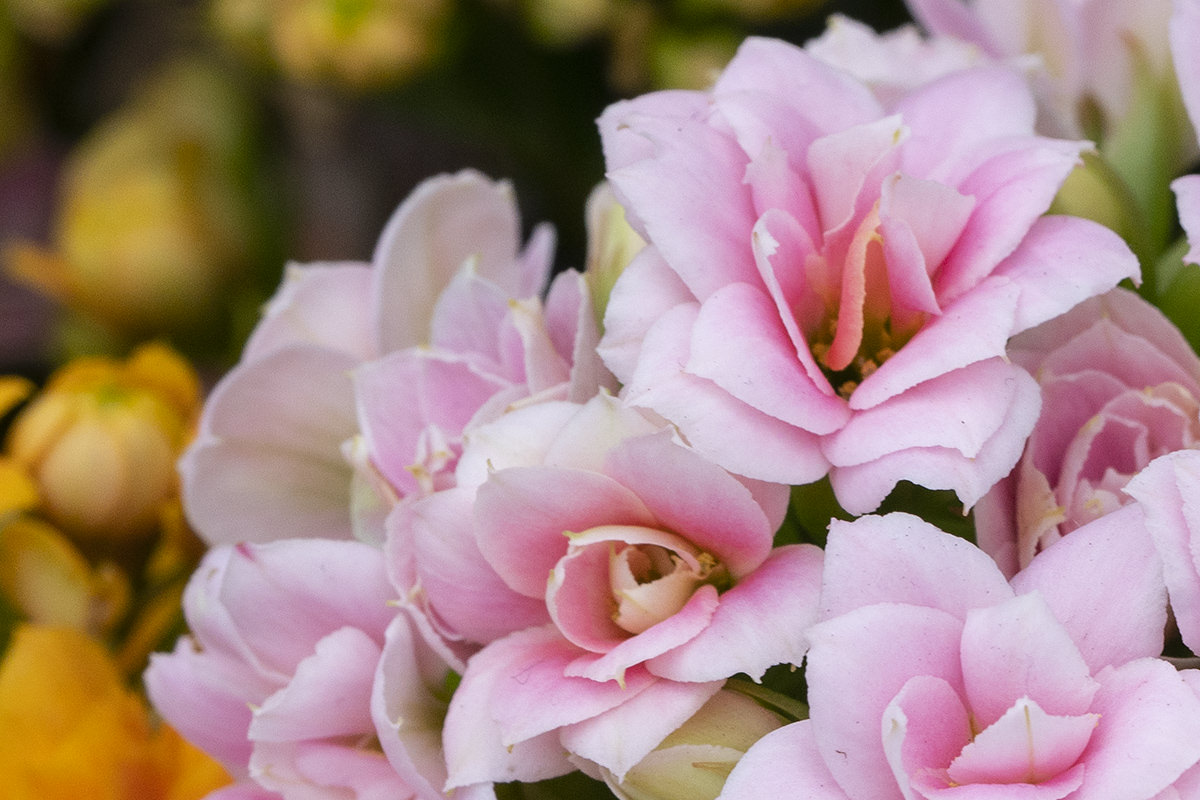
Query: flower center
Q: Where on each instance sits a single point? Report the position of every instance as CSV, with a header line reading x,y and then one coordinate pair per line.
x,y
650,583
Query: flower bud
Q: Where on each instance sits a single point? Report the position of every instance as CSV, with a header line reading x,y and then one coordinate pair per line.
x,y
612,244
693,762
153,217
101,441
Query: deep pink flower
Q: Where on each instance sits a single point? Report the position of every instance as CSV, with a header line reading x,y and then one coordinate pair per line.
x,y
354,389
830,281
1120,387
295,655
662,583
933,677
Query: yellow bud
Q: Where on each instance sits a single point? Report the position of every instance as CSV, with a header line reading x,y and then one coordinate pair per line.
x,y
152,219
70,729
102,439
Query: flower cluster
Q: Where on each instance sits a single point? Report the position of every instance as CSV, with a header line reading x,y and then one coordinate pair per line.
x,y
474,527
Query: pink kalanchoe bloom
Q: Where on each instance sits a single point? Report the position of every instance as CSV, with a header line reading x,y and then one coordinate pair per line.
x,y
444,327
662,583
283,676
931,676
1092,52
831,281
1120,387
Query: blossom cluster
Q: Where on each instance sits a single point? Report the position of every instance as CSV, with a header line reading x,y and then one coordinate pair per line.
x,y
475,525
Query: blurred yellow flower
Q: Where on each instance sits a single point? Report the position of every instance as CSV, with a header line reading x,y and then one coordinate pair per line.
x,y
101,440
70,729
152,220
362,44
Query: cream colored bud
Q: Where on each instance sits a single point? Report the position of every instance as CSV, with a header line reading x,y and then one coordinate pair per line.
x,y
612,244
694,761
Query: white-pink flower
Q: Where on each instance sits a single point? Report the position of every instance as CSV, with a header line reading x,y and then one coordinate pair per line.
x,y
276,678
830,282
354,389
662,583
931,676
1120,387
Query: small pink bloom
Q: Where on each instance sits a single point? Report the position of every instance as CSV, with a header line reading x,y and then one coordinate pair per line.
x,y
294,655
931,676
1120,387
356,385
662,583
1091,53
830,282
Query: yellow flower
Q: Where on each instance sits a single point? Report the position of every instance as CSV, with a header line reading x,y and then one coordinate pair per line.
x,y
361,44
153,220
69,729
101,441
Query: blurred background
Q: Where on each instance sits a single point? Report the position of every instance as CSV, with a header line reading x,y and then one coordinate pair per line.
x,y
161,160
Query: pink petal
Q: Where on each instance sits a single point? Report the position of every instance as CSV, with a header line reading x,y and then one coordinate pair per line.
x,y
677,629
477,750
1025,745
1062,261
925,727
775,91
621,737
1187,198
572,325
1149,732
267,462
781,763
523,515
962,410
463,589
534,694
647,290
849,690
861,488
285,596
1012,190
467,315
695,499
314,770
322,305
1015,650
992,104
443,224
900,558
739,343
920,222
953,18
701,228
328,695
404,393
1104,584
760,622
212,714
1184,33
847,166
406,713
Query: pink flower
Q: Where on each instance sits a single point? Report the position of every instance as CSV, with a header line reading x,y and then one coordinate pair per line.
x,y
355,387
830,283
283,676
931,676
662,583
1120,387
1093,53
